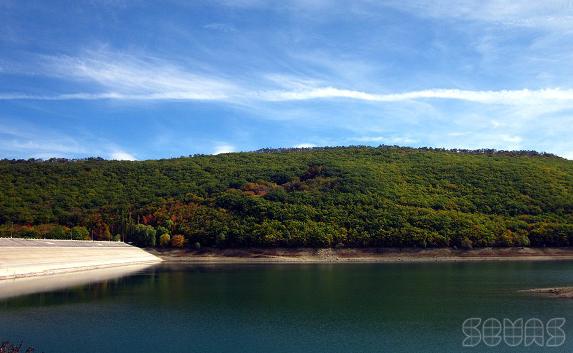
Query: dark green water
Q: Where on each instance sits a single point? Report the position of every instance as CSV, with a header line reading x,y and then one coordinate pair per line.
x,y
288,308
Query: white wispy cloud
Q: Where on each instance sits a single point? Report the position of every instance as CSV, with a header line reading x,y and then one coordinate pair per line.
x,y
505,97
110,75
21,140
305,145
400,140
155,96
221,27
483,139
317,93
38,144
122,156
134,77
524,96
549,14
223,148
52,148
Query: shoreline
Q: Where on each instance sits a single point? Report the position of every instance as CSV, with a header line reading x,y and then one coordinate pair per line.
x,y
42,258
358,255
553,292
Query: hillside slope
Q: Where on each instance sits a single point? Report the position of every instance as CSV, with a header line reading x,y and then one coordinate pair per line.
x,y
346,196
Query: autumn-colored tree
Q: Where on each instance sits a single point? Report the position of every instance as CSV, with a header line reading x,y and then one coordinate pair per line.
x,y
164,239
177,241
99,228
101,231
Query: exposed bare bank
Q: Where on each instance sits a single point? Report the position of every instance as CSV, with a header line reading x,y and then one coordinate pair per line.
x,y
556,292
360,255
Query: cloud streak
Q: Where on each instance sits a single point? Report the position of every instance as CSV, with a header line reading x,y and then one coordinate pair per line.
x,y
116,76
523,96
504,97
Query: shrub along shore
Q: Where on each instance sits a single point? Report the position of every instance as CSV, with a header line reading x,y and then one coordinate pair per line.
x,y
340,197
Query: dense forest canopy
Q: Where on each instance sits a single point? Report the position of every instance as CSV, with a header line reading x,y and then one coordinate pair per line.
x,y
338,196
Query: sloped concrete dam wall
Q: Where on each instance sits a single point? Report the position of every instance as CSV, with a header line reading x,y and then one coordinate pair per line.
x,y
25,258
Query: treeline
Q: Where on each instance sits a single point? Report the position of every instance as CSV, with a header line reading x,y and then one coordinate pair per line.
x,y
321,197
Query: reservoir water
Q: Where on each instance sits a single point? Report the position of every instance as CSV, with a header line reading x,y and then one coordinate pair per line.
x,y
289,308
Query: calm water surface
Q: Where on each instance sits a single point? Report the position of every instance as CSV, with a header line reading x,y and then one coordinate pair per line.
x,y
288,308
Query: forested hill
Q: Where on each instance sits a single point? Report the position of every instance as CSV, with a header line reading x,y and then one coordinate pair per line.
x,y
347,196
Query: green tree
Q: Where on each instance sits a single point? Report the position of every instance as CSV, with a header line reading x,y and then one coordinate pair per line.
x,y
143,235
79,233
58,232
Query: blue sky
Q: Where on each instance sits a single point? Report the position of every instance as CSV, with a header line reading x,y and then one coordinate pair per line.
x,y
149,79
